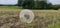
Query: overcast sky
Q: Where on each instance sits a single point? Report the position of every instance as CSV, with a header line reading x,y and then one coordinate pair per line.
x,y
16,1
8,1
55,1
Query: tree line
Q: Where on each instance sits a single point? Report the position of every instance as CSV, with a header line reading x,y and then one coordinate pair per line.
x,y
31,4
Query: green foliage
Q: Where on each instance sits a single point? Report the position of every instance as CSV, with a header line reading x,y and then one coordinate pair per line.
x,y
31,4
56,7
40,4
26,4
49,6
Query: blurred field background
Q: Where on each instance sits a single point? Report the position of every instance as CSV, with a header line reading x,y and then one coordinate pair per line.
x,y
9,18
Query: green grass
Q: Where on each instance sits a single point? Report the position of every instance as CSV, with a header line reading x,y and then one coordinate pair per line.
x,y
9,8
54,25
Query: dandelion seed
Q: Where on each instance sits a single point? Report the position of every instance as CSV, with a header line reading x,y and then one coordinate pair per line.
x,y
26,16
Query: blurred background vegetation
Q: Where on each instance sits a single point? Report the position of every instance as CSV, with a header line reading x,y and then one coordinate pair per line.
x,y
31,4
35,4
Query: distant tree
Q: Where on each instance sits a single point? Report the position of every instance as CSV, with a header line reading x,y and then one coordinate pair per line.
x,y
40,4
44,5
31,4
19,2
26,4
49,6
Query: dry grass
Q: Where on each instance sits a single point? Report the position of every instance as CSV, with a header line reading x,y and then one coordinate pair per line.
x,y
9,18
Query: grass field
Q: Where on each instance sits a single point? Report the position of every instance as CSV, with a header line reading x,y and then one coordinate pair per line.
x,y
9,18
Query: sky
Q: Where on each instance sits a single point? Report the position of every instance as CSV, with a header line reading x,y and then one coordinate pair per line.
x,y
54,2
8,2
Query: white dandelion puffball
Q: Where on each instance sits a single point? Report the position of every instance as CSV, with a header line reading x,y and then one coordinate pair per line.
x,y
26,16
